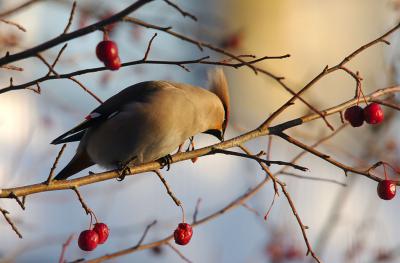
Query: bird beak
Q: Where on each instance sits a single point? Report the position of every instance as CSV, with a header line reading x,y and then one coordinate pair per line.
x,y
219,134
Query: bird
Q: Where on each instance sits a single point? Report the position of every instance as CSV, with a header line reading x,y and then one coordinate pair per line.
x,y
146,122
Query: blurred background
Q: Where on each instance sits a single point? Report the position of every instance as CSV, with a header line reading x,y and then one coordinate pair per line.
x,y
346,223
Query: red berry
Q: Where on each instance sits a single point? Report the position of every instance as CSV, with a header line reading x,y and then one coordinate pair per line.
x,y
355,115
102,230
107,50
114,64
88,240
386,189
373,113
183,233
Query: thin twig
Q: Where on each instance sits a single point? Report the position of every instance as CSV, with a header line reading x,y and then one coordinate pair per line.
x,y
251,209
139,243
19,202
253,157
84,205
58,56
13,24
178,253
196,211
269,147
53,168
71,16
39,56
18,8
184,13
314,178
169,191
91,93
292,206
146,54
302,226
12,67
10,222
64,248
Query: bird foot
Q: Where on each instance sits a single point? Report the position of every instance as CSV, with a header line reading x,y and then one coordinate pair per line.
x,y
123,170
166,161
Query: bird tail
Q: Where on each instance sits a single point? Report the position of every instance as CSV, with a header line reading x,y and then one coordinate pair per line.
x,y
219,86
80,161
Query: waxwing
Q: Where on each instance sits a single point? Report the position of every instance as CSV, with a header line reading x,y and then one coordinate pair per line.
x,y
147,121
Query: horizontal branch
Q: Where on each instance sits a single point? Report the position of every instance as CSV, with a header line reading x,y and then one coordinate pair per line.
x,y
131,63
75,34
147,167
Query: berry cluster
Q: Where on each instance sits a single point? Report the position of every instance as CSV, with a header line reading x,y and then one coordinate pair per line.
x,y
107,52
89,239
372,114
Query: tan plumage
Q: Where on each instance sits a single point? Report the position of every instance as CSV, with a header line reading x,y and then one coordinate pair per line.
x,y
147,121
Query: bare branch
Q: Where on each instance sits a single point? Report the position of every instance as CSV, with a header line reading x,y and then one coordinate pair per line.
x,y
136,62
75,34
169,191
19,8
39,56
59,55
254,157
19,202
84,205
179,253
196,211
64,248
184,13
91,93
146,54
251,209
71,16
313,178
13,24
53,168
10,222
139,243
12,67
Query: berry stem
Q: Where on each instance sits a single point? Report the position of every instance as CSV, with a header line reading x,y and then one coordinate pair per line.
x,y
105,34
95,217
384,170
91,220
362,93
391,166
358,94
183,213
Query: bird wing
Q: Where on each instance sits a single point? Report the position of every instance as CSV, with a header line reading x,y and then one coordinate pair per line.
x,y
139,92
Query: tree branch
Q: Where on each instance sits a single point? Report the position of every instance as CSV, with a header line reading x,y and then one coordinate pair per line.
x,y
75,34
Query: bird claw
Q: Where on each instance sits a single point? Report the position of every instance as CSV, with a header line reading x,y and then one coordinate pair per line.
x,y
123,171
166,161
